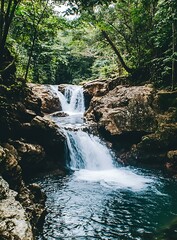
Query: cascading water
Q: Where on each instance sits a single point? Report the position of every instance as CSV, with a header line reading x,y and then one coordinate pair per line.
x,y
98,200
72,101
75,99
87,153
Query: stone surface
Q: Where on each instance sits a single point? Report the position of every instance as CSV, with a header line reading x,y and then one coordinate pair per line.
x,y
50,102
10,168
59,114
12,172
141,123
124,109
13,219
32,156
51,137
4,189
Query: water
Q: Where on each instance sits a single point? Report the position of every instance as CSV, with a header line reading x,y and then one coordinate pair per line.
x,y
72,101
99,199
82,209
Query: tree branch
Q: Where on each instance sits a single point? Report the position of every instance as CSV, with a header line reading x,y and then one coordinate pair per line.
x,y
116,51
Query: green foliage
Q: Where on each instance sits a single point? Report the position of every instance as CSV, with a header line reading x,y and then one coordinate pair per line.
x,y
106,38
165,17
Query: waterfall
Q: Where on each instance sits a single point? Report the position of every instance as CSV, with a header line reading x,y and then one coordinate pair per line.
x,y
75,98
72,101
87,154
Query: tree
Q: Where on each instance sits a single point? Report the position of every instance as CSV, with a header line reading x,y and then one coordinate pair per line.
x,y
165,40
7,12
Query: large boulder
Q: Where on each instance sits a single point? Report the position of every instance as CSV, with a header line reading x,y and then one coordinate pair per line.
x,y
51,137
49,100
124,109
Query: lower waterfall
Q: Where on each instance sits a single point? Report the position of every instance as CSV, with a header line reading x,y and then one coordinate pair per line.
x,y
99,199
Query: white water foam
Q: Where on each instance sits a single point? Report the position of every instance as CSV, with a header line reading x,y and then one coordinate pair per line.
x,y
94,162
117,178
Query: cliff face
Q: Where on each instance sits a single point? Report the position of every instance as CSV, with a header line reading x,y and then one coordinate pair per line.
x,y
140,121
29,143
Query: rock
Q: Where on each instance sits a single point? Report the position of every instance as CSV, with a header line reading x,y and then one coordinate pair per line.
x,y
33,102
4,189
171,164
50,101
51,137
93,89
62,87
12,173
33,201
59,114
2,155
13,219
156,148
166,99
32,156
124,109
24,114
10,169
96,88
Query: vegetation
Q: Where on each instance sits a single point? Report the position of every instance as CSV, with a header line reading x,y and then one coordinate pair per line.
x,y
106,38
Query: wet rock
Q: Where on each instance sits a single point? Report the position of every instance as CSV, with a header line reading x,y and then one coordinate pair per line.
x,y
14,223
171,163
62,87
33,201
49,101
59,114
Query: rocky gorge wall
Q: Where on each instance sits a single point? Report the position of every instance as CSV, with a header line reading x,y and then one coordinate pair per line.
x,y
139,121
29,143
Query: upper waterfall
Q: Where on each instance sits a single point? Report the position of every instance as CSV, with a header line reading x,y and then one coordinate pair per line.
x,y
72,101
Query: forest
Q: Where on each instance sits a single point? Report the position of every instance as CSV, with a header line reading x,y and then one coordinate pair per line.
x,y
88,119
74,41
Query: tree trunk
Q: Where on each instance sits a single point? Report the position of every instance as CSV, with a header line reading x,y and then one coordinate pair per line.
x,y
174,62
116,51
1,20
30,55
5,22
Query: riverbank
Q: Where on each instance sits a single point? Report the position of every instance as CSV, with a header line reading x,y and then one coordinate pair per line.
x,y
139,123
